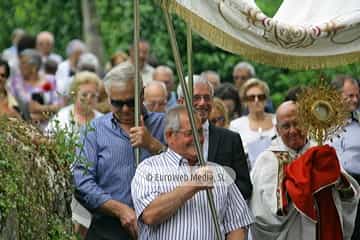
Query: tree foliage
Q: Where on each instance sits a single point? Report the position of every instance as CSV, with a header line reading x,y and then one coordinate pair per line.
x,y
64,19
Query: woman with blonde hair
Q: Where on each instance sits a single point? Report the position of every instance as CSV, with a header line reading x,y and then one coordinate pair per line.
x,y
117,58
219,114
84,92
258,127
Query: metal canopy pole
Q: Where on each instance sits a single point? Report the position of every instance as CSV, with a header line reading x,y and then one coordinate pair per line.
x,y
189,60
138,84
179,68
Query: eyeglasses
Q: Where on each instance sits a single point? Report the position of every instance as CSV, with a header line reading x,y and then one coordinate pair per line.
x,y
197,98
287,125
153,104
251,98
119,103
89,95
188,133
242,78
351,96
218,119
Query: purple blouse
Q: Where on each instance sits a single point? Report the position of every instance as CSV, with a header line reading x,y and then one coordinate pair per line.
x,y
24,91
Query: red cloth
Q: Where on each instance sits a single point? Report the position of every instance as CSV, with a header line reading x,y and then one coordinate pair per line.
x,y
308,181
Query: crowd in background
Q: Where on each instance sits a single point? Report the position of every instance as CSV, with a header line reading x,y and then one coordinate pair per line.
x,y
52,92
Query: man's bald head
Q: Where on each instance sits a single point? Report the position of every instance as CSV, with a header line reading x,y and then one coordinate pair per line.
x,y
164,74
155,96
45,42
286,108
287,126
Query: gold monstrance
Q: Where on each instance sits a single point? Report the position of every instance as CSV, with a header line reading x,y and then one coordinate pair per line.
x,y
322,112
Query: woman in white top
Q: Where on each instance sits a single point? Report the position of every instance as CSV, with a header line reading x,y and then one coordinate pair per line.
x,y
84,91
258,127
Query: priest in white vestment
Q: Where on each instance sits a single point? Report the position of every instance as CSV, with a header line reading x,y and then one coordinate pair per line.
x,y
285,204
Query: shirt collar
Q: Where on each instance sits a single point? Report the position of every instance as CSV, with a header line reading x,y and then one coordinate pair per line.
x,y
278,145
177,159
355,116
206,126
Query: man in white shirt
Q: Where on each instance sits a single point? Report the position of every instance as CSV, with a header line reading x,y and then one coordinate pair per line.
x,y
178,209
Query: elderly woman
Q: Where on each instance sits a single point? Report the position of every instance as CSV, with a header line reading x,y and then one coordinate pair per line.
x,y
35,92
219,114
258,125
84,91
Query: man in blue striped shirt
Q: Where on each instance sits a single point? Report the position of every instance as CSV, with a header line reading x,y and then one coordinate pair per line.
x,y
178,209
103,181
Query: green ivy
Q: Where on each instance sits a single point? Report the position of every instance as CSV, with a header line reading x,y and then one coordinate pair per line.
x,y
41,205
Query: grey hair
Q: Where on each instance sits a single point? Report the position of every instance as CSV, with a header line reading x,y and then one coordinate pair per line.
x,y
120,75
89,62
75,45
203,80
247,66
339,81
34,57
165,69
205,75
172,118
179,90
196,80
17,32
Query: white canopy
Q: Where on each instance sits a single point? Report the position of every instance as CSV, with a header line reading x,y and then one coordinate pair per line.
x,y
302,34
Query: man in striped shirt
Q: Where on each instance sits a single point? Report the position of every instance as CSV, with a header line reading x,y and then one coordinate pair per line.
x,y
176,209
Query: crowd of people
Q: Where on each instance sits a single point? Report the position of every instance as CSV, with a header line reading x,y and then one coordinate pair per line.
x,y
239,128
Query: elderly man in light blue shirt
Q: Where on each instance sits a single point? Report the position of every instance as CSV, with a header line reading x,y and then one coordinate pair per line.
x,y
102,180
348,145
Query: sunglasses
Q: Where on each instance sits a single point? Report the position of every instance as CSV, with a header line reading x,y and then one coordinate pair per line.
x,y
251,98
119,103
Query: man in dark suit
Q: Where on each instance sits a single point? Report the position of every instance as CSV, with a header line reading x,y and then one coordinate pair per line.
x,y
225,148
220,145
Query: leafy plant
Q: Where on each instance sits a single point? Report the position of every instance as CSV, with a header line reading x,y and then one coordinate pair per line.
x,y
35,185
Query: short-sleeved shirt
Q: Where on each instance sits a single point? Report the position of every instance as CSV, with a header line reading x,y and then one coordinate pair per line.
x,y
193,220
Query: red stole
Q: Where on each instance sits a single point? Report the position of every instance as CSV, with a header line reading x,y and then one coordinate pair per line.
x,y
309,180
